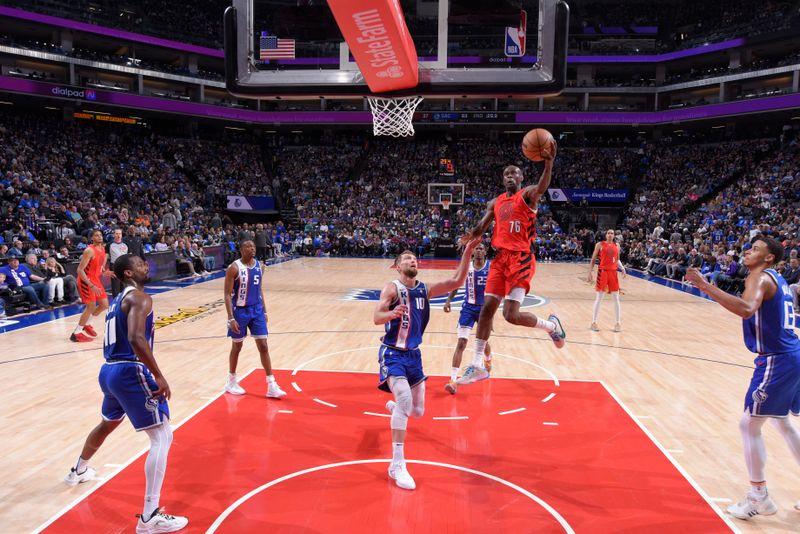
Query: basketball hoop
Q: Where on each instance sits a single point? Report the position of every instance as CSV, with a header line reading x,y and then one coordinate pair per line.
x,y
445,204
392,116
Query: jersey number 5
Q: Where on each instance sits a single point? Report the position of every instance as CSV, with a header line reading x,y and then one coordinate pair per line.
x,y
256,279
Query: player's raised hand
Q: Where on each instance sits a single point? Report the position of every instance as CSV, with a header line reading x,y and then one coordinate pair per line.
x,y
464,240
549,152
694,277
399,311
163,388
470,245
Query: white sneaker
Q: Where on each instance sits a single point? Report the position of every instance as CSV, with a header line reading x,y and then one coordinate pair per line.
x,y
274,391
594,327
234,388
473,374
558,335
160,522
399,473
752,506
74,478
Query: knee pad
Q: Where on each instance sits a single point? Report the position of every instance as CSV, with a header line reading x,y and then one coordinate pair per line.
x,y
463,332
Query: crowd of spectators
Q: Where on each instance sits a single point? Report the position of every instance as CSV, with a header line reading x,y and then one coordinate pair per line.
x,y
360,196
59,182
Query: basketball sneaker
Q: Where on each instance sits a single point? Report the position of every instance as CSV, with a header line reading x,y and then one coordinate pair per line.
x,y
473,374
752,506
594,327
399,473
233,387
274,391
558,335
80,337
160,521
89,330
451,387
618,327
74,478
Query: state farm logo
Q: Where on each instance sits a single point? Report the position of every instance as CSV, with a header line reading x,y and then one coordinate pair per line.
x,y
376,41
391,72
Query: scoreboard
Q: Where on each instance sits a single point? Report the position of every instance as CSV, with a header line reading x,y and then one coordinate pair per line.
x,y
446,168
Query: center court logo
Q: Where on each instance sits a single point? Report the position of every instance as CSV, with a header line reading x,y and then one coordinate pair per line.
x,y
531,301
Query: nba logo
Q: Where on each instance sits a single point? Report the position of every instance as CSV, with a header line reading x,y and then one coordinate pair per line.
x,y
515,37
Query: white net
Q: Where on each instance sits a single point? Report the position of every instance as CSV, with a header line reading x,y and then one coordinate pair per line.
x,y
392,116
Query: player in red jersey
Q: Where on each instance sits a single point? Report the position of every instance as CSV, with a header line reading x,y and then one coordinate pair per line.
x,y
512,270
90,287
607,281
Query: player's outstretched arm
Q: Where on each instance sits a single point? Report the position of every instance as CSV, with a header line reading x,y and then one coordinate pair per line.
x,y
595,254
756,289
440,288
140,305
230,277
480,229
533,193
382,313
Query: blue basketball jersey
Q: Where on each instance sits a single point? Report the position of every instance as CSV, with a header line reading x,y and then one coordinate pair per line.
x,y
116,345
406,331
247,286
476,284
771,329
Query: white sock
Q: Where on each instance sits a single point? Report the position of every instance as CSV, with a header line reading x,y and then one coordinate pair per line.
x,y
231,377
596,309
480,348
545,325
78,329
270,379
81,466
454,374
397,453
759,491
617,307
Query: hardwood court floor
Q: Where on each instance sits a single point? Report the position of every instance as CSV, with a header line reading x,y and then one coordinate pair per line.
x,y
679,365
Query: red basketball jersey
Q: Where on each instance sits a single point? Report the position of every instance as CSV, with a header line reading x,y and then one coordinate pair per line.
x,y
609,255
514,223
95,266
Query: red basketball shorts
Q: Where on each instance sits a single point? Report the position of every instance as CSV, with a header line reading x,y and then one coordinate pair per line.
x,y
607,281
87,293
508,270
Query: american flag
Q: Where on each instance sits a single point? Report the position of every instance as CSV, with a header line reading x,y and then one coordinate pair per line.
x,y
273,48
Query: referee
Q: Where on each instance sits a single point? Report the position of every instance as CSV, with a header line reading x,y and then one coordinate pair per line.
x,y
115,249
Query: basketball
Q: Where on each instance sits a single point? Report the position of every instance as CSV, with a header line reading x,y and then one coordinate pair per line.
x,y
534,142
